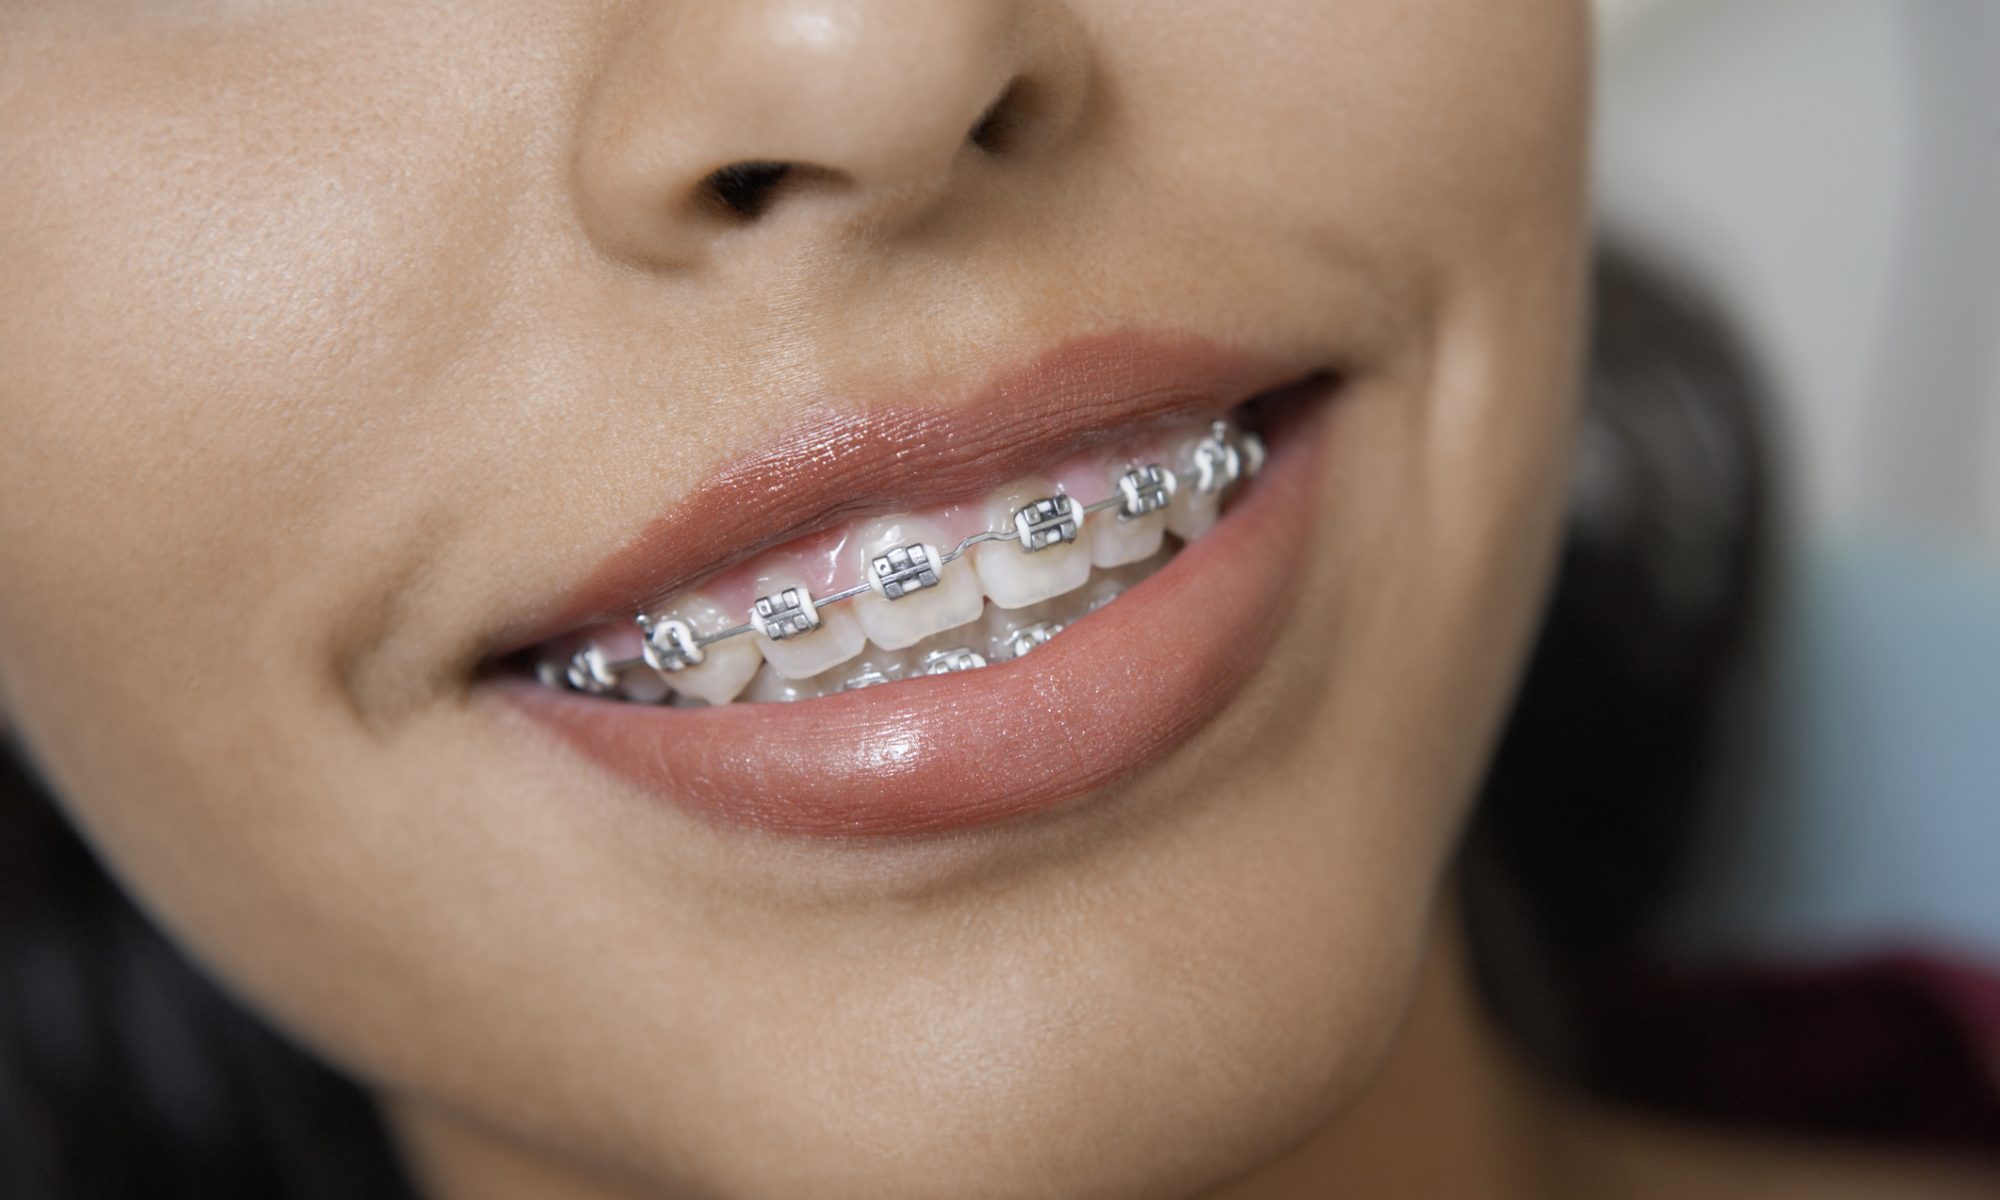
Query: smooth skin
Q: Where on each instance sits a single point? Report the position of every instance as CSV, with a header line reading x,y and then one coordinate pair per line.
x,y
338,337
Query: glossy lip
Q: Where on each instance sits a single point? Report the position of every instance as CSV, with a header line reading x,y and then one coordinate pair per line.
x,y
1117,691
839,464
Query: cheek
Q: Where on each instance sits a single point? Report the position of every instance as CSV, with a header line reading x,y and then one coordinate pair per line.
x,y
1393,123
226,279
229,286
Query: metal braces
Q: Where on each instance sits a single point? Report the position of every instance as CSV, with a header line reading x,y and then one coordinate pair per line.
x,y
670,645
950,662
787,614
936,662
1054,521
1034,637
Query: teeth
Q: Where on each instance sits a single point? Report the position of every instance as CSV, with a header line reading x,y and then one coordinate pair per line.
x,y
951,661
669,644
770,687
913,613
1106,586
804,655
1192,511
1213,464
726,667
589,671
916,614
1117,539
1008,633
642,686
1031,638
1014,576
873,669
999,635
1253,454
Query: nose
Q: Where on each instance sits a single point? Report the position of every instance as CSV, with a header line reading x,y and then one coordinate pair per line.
x,y
814,119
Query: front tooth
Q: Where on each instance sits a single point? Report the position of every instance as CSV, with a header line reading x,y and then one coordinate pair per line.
x,y
726,667
1116,539
838,638
895,624
1014,576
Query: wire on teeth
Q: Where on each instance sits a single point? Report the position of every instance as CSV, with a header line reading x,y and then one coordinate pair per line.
x,y
1221,459
589,671
1218,460
948,662
1034,637
1054,521
788,613
905,570
669,646
867,679
1144,490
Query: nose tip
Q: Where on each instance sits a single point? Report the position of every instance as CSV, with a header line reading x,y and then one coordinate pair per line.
x,y
862,114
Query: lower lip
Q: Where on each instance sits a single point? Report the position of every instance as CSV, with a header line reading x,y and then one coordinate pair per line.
x,y
1119,690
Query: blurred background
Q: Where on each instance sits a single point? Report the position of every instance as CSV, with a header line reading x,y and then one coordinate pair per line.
x,y
1830,171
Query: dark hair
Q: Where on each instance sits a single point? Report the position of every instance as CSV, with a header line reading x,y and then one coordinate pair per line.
x,y
1644,666
124,1072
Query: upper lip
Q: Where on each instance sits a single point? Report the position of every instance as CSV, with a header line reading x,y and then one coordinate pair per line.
x,y
837,464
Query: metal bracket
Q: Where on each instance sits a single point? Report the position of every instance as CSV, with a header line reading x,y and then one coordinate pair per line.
x,y
669,646
950,662
785,614
1145,489
1054,521
1034,637
906,569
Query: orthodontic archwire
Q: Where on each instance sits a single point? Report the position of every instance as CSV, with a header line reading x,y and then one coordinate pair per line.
x,y
1225,456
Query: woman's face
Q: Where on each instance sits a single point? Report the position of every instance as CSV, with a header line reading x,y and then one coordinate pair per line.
x,y
352,347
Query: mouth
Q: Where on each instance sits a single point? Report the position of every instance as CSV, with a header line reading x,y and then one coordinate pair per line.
x,y
914,623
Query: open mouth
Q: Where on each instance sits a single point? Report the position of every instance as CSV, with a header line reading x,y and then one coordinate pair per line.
x,y
919,669
955,588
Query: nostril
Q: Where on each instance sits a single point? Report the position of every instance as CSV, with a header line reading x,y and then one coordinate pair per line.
x,y
744,189
997,127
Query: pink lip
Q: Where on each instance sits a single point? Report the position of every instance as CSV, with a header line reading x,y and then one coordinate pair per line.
x,y
1115,692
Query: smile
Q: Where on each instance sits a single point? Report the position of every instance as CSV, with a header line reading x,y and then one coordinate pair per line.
x,y
1035,566
978,657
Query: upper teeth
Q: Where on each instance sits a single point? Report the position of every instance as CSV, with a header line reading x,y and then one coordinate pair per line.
x,y
1038,543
